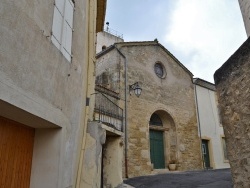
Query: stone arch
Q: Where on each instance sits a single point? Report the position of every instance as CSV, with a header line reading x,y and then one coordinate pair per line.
x,y
168,129
161,108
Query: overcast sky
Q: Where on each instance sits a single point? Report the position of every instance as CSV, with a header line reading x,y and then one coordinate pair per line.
x,y
201,34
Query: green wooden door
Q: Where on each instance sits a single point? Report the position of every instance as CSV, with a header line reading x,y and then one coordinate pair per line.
x,y
205,152
157,149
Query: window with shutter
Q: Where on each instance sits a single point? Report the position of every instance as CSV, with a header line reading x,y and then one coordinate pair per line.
x,y
62,27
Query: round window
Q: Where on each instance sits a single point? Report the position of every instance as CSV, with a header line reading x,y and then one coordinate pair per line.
x,y
159,70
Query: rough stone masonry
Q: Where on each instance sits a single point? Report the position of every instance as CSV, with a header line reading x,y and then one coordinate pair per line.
x,y
232,81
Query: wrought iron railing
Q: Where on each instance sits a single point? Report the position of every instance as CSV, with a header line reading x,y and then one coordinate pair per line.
x,y
108,112
114,32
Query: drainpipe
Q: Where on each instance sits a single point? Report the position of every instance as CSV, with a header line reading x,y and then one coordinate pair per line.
x,y
126,112
198,117
90,51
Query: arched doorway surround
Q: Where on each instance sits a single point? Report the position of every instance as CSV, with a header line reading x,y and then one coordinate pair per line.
x,y
163,140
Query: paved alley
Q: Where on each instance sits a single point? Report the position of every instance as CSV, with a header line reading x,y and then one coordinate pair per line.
x,y
190,179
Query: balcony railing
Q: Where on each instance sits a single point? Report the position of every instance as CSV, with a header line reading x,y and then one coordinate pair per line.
x,y
108,112
114,32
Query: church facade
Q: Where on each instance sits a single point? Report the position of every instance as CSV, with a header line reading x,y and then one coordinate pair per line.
x,y
161,124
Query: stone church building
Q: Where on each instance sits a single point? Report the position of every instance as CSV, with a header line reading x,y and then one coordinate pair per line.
x,y
161,124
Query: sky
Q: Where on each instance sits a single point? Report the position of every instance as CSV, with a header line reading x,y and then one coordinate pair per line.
x,y
201,34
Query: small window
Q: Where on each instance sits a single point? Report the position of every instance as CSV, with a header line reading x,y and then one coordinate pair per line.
x,y
62,27
159,70
224,148
104,47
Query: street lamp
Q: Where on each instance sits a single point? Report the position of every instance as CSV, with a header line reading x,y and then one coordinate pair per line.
x,y
137,89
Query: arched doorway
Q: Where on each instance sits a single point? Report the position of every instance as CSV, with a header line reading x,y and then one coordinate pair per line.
x,y
156,143
163,139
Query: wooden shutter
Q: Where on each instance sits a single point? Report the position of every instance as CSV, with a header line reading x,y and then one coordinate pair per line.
x,y
57,23
60,6
68,29
62,27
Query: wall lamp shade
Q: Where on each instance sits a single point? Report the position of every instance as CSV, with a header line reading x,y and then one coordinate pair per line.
x,y
137,89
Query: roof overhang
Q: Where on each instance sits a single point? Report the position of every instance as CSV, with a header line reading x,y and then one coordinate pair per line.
x,y
204,83
100,18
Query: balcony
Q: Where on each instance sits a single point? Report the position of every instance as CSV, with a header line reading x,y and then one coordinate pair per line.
x,y
107,110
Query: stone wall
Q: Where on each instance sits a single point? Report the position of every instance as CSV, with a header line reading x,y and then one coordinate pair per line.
x,y
245,10
112,161
109,71
102,164
233,88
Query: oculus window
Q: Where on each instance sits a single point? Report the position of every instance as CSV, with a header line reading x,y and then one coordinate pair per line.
x,y
160,70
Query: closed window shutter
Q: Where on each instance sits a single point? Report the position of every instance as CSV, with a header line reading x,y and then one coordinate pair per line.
x,y
68,29
60,6
62,26
57,23
57,28
69,7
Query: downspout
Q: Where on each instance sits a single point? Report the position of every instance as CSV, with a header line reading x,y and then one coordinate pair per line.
x,y
198,117
90,80
126,112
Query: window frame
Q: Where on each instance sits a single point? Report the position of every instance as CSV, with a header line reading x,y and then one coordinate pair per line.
x,y
159,66
224,149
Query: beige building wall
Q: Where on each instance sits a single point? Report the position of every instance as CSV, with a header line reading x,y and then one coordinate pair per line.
x,y
245,10
209,121
40,88
171,97
105,39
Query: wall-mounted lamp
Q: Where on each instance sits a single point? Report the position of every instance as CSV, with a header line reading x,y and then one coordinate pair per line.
x,y
137,89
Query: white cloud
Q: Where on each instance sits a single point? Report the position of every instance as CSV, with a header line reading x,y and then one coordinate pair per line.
x,y
204,33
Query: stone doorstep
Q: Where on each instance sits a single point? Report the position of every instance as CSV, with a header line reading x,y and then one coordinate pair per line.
x,y
160,171
163,171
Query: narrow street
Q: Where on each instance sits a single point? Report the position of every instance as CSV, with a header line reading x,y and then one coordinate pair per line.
x,y
190,179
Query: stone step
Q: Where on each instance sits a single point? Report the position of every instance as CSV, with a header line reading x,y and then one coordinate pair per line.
x,y
160,171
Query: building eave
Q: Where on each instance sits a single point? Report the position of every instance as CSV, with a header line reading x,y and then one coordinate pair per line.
x,y
204,83
100,18
103,52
